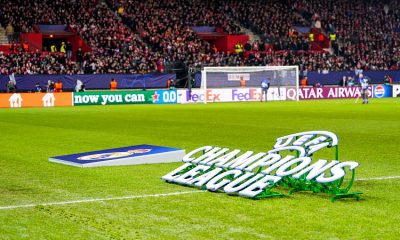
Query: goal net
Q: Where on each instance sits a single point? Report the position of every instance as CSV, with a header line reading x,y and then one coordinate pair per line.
x,y
239,79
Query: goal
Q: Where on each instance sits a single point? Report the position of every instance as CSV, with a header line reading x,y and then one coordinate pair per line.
x,y
281,78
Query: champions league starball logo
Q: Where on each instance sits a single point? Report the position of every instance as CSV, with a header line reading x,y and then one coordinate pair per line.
x,y
289,165
111,155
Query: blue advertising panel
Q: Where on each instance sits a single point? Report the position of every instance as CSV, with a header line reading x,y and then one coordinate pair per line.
x,y
138,154
165,96
382,91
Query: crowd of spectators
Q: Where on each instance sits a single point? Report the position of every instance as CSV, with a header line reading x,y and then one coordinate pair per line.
x,y
115,49
166,27
368,31
271,20
134,36
23,15
36,63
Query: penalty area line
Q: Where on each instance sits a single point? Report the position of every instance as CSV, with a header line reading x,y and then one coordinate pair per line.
x,y
99,200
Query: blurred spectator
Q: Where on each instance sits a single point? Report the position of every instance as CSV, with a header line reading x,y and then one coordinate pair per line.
x,y
79,87
38,88
68,49
11,87
63,48
79,55
388,80
113,85
58,86
50,86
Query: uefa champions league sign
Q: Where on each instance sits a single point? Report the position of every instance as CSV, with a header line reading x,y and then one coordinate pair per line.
x,y
289,164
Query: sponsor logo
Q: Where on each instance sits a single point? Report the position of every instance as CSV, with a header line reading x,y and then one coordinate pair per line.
x,y
198,96
248,95
111,155
325,92
18,100
396,90
15,100
139,151
255,175
155,97
238,76
379,91
48,100
165,96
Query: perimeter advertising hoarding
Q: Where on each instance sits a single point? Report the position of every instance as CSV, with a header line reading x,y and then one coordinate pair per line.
x,y
125,97
229,95
325,92
19,100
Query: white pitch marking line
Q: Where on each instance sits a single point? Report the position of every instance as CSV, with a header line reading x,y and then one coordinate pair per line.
x,y
147,196
378,178
98,200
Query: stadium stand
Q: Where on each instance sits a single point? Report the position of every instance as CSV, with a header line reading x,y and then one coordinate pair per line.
x,y
271,20
165,27
367,31
115,49
132,36
36,63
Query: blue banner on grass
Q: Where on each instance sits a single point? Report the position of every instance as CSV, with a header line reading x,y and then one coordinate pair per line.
x,y
138,154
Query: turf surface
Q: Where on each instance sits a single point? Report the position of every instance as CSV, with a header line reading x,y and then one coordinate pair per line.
x,y
368,134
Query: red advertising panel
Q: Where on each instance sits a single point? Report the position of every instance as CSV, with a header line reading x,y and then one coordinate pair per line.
x,y
325,92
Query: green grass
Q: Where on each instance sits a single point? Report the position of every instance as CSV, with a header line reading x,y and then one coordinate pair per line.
x,y
369,134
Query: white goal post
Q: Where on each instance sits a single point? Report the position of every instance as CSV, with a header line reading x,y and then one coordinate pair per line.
x,y
280,78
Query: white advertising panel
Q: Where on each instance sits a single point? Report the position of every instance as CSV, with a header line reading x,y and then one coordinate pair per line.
x,y
230,95
396,90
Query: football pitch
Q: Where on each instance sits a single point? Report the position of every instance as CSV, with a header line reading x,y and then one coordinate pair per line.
x,y
44,200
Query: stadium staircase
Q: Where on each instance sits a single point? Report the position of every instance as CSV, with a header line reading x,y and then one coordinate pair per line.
x,y
321,31
252,36
3,36
122,20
